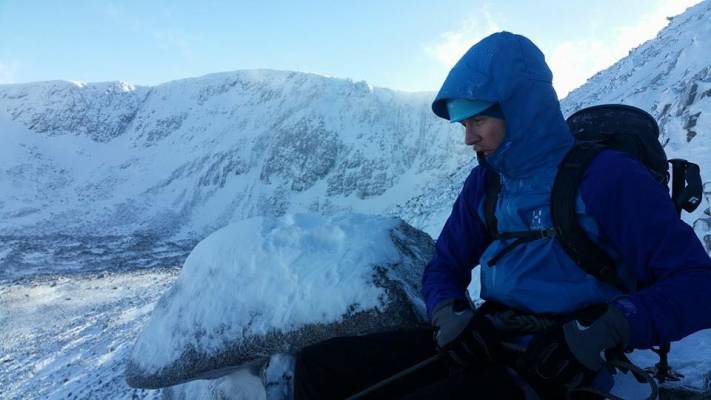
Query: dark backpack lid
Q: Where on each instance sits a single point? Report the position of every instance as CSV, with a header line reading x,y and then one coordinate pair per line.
x,y
624,128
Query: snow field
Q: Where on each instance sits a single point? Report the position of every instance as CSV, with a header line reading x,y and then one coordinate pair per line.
x,y
67,337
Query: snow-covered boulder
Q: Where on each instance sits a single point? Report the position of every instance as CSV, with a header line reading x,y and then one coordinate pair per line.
x,y
274,285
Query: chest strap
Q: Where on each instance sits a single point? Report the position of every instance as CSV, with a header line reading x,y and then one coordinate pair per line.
x,y
521,238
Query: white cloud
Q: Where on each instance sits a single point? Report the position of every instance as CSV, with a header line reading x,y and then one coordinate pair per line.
x,y
573,62
452,45
7,72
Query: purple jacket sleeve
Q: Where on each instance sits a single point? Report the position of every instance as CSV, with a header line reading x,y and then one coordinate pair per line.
x,y
459,246
635,213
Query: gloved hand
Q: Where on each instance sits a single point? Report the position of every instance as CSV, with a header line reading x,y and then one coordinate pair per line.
x,y
464,335
569,354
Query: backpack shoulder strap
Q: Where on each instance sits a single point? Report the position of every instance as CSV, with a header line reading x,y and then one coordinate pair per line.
x,y
573,238
491,197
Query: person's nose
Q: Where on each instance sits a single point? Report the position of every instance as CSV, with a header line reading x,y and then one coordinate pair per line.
x,y
470,136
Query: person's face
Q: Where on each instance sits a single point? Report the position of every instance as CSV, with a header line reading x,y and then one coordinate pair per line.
x,y
483,133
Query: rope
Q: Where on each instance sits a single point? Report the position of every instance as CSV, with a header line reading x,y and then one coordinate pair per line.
x,y
526,323
509,321
368,391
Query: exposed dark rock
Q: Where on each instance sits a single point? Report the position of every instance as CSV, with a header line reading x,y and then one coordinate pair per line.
x,y
690,135
691,121
692,95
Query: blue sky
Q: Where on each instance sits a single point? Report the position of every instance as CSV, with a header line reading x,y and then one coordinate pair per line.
x,y
406,45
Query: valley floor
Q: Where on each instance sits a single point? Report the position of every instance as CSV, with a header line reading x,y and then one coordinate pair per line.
x,y
66,337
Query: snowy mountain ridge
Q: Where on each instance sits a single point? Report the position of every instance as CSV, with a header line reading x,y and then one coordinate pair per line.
x,y
100,111
187,157
182,159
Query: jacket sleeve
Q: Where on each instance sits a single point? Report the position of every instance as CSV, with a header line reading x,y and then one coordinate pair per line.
x,y
636,214
459,246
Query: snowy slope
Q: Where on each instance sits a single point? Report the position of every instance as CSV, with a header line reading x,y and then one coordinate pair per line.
x,y
68,337
187,157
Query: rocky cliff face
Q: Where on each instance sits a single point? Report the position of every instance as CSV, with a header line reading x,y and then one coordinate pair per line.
x,y
99,111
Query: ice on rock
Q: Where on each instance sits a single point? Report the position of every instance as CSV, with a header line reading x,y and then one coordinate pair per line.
x,y
264,286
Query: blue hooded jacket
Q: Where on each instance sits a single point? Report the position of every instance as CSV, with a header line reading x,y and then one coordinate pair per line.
x,y
620,205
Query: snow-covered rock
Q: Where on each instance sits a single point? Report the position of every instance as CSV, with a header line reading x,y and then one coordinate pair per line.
x,y
274,285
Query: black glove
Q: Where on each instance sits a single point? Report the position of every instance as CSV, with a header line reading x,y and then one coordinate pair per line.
x,y
569,354
465,336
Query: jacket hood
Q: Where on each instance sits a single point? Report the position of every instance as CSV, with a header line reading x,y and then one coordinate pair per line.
x,y
509,69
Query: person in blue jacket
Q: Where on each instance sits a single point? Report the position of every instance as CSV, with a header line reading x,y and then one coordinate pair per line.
x,y
501,92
